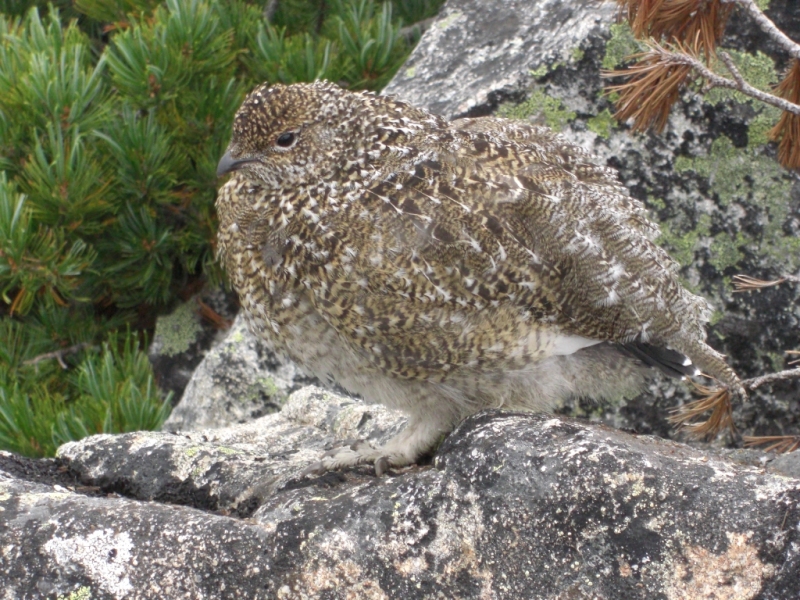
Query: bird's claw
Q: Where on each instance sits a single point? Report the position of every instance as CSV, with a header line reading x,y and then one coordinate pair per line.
x,y
350,454
314,469
381,465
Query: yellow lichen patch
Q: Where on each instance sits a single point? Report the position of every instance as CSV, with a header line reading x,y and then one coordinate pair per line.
x,y
698,573
83,593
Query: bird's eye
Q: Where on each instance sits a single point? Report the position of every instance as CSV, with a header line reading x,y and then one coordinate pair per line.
x,y
285,139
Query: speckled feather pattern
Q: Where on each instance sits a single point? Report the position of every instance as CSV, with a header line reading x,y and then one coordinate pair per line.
x,y
455,263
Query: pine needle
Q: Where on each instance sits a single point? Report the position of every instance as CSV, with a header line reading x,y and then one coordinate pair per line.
x,y
716,400
787,130
745,283
690,20
679,21
640,14
780,444
654,84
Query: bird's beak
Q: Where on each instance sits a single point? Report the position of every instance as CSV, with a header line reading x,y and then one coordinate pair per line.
x,y
227,164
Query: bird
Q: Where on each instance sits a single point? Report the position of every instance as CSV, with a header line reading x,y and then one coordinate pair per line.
x,y
442,267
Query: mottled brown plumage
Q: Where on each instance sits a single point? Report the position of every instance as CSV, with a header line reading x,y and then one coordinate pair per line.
x,y
444,267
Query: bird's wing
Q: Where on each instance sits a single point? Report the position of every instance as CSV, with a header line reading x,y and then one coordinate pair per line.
x,y
490,249
614,283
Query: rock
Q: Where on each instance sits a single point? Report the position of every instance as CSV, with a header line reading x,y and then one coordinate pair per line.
x,y
183,337
231,469
474,57
62,544
239,380
515,505
787,464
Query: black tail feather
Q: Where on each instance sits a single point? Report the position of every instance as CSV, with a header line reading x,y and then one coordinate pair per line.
x,y
666,360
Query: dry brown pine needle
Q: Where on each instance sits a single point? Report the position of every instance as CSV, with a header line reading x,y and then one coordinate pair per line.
x,y
654,84
679,21
745,283
716,400
777,443
787,130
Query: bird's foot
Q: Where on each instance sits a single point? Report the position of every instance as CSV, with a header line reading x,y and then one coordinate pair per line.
x,y
420,436
354,453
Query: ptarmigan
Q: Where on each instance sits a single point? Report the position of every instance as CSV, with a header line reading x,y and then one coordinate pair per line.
x,y
443,267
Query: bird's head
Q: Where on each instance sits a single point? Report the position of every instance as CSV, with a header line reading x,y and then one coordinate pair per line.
x,y
279,132
300,134
286,135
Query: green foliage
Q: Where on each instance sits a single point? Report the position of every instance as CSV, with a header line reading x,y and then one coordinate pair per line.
x,y
113,115
116,393
35,261
359,43
289,59
110,390
370,42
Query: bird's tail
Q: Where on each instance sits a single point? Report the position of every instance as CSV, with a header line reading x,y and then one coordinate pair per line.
x,y
666,360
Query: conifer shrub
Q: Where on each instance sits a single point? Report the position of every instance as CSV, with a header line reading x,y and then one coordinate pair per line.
x,y
113,115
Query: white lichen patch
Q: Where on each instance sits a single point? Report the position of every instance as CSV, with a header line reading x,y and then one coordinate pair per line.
x,y
635,481
176,332
103,555
771,488
308,406
192,462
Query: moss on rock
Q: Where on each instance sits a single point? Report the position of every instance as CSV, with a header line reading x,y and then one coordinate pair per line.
x,y
539,105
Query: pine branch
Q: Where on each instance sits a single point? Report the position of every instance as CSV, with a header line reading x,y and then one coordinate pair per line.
x,y
654,85
718,402
767,26
658,76
59,354
738,83
689,29
757,382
